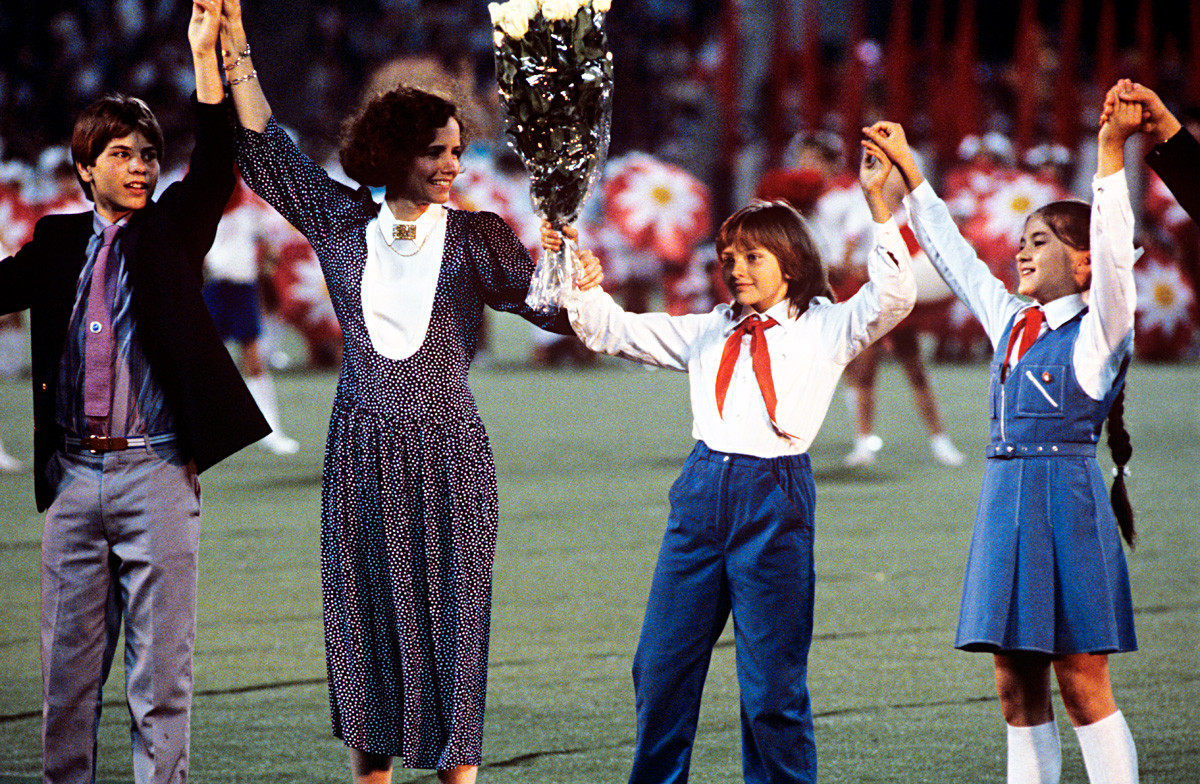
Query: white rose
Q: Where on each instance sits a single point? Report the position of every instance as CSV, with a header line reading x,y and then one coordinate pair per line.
x,y
512,21
527,8
559,10
601,6
497,13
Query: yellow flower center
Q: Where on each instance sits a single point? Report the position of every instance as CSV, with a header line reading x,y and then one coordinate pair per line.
x,y
1164,295
661,195
1020,204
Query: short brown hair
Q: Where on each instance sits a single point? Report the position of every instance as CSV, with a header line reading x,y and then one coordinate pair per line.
x,y
382,139
776,226
112,117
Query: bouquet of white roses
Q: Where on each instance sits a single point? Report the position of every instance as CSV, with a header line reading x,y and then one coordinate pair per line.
x,y
555,77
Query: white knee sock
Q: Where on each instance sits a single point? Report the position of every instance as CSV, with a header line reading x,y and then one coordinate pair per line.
x,y
850,395
262,389
12,352
1034,754
1108,751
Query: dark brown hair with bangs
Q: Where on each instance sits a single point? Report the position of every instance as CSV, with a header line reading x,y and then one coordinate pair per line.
x,y
777,227
112,117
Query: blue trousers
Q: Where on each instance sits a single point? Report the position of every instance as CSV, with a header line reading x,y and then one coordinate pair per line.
x,y
740,540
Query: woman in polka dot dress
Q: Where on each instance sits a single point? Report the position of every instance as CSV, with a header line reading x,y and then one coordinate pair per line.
x,y
409,511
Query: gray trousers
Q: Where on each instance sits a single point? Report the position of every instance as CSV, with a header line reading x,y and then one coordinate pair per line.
x,y
120,544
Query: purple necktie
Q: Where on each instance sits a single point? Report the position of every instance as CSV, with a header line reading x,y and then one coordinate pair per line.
x,y
98,343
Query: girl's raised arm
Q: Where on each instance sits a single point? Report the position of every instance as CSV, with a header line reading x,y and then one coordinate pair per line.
x,y
951,255
889,138
872,174
1123,121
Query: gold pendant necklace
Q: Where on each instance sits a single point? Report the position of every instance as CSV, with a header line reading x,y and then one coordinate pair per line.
x,y
408,229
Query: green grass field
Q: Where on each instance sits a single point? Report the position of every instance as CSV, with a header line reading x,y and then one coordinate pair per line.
x,y
585,458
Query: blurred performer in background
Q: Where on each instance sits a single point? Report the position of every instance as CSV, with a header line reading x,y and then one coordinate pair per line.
x,y
232,296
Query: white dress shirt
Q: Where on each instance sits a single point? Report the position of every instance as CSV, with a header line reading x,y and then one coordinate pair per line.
x,y
400,279
807,353
1106,331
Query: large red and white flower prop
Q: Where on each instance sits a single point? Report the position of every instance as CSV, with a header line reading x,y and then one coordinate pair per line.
x,y
17,217
993,215
1166,310
295,274
658,206
1161,208
485,187
479,189
1005,209
304,301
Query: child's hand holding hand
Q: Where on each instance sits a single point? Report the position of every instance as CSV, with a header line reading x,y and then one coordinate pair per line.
x,y
587,271
889,138
1157,121
1124,119
552,240
872,174
204,26
874,169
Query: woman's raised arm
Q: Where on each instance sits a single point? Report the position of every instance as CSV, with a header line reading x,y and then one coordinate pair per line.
x,y
253,110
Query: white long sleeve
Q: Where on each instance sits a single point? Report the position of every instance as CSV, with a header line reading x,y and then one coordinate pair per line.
x,y
807,353
1106,331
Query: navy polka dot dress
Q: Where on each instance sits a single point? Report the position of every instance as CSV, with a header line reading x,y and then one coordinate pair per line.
x,y
408,503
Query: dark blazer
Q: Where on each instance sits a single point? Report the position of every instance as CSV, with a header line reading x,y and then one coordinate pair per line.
x,y
164,246
1177,161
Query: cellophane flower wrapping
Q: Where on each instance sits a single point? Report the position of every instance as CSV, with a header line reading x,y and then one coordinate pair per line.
x,y
554,73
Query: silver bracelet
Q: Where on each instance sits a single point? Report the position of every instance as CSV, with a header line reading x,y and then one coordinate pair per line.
x,y
246,78
242,54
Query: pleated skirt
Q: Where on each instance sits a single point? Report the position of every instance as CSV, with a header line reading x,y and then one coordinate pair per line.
x,y
1046,570
408,539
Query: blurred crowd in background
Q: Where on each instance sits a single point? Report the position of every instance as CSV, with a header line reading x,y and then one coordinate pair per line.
x,y
714,103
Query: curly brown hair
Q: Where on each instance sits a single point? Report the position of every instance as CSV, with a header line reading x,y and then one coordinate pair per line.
x,y
776,226
111,117
380,142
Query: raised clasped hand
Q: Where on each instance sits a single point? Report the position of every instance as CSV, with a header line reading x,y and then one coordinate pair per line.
x,y
205,25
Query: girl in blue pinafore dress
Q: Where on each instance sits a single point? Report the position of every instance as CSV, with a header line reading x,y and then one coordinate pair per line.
x,y
408,501
1046,586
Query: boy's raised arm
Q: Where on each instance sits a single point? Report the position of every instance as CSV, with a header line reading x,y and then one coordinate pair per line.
x,y
203,31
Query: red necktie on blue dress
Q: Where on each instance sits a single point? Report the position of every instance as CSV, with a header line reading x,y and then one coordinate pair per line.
x,y
98,342
760,360
1028,325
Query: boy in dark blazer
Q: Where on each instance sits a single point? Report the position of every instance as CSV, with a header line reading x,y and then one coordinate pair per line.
x,y
134,395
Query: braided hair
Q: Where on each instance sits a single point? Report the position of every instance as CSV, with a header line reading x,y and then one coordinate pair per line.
x,y
1121,448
